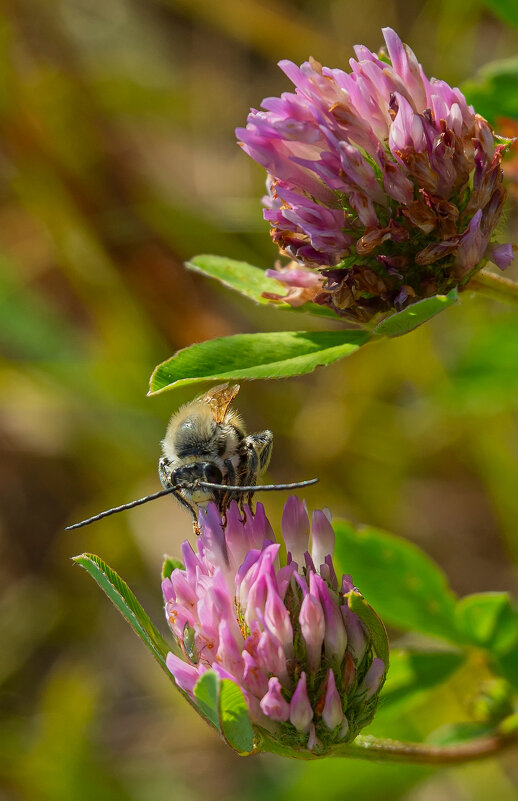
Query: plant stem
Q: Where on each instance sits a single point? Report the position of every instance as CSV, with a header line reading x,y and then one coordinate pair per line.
x,y
378,749
495,286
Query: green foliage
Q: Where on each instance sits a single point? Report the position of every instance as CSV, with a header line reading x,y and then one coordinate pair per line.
x,y
407,589
455,733
493,89
29,328
412,675
507,664
488,620
62,751
274,355
415,315
505,9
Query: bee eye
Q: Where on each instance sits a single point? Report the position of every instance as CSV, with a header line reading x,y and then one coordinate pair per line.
x,y
212,473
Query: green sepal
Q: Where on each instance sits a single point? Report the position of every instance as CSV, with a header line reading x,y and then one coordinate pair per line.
x,y
267,742
377,630
170,564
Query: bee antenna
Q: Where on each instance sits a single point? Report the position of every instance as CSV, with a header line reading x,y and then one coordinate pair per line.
x,y
124,506
258,487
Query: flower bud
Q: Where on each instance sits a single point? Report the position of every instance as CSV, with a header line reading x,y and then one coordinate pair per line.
x,y
323,538
273,704
313,627
295,528
332,714
277,617
373,678
301,713
253,677
335,637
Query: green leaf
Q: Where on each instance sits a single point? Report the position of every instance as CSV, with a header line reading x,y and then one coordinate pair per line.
x,y
454,733
360,607
206,693
251,282
508,666
403,584
509,725
487,619
233,718
415,315
493,89
268,355
120,594
221,702
412,674
505,9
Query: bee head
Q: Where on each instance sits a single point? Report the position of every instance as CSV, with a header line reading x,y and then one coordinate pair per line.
x,y
187,475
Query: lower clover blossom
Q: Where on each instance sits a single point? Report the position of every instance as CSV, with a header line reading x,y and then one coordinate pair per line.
x,y
282,630
384,186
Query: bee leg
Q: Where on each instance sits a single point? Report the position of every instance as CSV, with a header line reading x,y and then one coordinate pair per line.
x,y
192,508
250,477
163,473
263,442
257,456
226,495
231,471
165,479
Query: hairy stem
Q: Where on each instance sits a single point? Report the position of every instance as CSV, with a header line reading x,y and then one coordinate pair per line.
x,y
378,749
495,286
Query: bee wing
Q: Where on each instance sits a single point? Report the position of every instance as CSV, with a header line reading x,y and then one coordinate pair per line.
x,y
219,399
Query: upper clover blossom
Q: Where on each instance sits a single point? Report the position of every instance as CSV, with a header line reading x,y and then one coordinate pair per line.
x,y
283,629
384,180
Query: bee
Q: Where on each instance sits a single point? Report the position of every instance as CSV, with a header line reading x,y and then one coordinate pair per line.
x,y
206,443
208,456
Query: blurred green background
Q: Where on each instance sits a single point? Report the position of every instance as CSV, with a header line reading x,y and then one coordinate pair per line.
x,y
118,161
